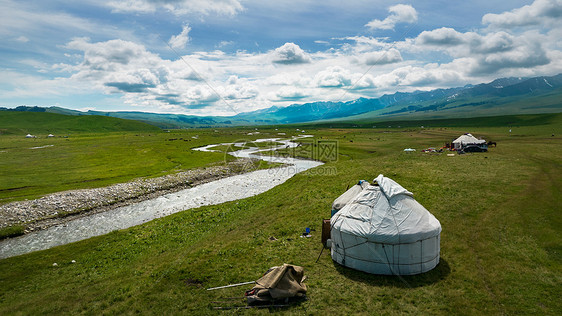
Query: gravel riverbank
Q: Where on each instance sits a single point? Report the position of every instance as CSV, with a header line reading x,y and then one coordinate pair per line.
x,y
64,206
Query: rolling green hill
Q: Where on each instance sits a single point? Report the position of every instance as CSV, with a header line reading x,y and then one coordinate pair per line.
x,y
550,119
467,106
13,122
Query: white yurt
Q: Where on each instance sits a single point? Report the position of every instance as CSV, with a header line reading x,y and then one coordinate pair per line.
x,y
467,139
381,229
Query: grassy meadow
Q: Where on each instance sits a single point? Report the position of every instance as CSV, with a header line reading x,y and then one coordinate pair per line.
x,y
84,155
501,244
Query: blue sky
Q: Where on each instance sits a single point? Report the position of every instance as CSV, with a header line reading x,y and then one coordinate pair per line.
x,y
222,57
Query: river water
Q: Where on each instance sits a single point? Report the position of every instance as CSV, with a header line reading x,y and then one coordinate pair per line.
x,y
215,192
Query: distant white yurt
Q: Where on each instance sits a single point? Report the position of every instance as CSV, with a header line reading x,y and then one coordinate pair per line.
x,y
29,136
467,139
382,229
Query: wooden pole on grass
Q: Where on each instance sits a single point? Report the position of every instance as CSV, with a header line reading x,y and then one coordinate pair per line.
x,y
230,285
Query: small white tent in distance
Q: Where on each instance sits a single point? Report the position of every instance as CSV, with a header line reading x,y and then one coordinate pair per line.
x,y
467,139
382,229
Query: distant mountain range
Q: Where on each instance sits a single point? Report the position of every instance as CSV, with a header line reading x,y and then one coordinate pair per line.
x,y
502,96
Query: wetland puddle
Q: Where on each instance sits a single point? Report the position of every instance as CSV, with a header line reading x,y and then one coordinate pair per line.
x,y
215,192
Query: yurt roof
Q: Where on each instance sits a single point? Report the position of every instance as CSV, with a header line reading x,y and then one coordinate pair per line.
x,y
468,139
386,213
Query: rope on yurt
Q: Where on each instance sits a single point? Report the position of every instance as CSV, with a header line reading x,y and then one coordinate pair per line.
x,y
359,244
421,255
398,229
342,247
388,262
394,218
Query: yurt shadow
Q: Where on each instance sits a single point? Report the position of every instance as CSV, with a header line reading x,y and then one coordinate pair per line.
x,y
440,272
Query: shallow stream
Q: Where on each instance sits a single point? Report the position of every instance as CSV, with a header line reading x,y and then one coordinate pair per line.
x,y
215,192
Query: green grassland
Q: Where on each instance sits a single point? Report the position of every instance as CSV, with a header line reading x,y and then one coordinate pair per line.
x,y
93,151
500,121
22,123
30,169
501,242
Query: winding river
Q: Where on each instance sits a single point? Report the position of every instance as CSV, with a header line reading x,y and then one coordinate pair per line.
x,y
215,192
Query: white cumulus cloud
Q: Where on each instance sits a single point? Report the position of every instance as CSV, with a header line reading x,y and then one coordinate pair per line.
x,y
238,89
290,93
382,57
333,77
290,53
400,13
200,96
179,41
539,12
444,36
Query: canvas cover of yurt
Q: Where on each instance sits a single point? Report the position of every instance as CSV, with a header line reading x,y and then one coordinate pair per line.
x,y
467,139
380,228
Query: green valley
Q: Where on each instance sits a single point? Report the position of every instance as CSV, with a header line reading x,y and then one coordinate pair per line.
x,y
500,245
